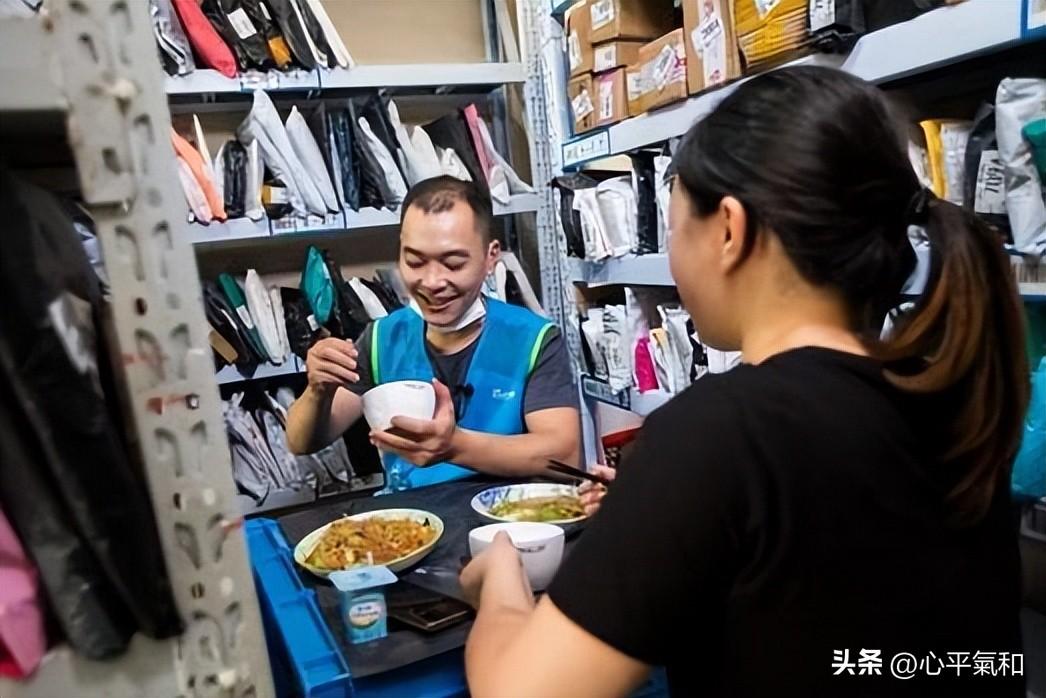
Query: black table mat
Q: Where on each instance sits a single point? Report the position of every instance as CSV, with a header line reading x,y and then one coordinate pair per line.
x,y
437,572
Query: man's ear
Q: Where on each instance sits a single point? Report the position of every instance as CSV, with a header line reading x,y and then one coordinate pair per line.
x,y
493,255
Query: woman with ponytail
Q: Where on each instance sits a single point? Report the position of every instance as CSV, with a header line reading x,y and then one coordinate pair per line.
x,y
840,499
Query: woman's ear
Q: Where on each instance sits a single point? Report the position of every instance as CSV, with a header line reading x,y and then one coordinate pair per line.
x,y
733,233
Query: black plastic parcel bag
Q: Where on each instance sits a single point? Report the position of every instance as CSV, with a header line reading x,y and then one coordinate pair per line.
x,y
350,317
263,20
376,112
319,39
302,329
644,175
234,178
90,527
984,186
232,22
452,131
295,33
569,218
374,187
348,166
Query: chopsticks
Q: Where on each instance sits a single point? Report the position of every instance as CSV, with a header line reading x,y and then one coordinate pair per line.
x,y
564,469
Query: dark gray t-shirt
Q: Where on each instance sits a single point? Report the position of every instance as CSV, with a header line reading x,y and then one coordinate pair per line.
x,y
551,383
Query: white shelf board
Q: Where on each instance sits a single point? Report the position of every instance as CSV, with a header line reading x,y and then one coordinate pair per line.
x,y
1035,292
283,499
145,670
232,229
275,80
244,229
201,81
293,225
653,270
423,75
231,374
631,400
28,72
519,203
644,270
645,403
427,75
940,37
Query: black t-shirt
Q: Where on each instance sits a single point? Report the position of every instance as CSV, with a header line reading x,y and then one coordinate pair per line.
x,y
550,384
776,514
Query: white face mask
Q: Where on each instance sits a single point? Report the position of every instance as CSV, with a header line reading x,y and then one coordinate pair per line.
x,y
474,313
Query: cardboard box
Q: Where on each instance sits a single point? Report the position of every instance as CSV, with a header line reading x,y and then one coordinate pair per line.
x,y
635,89
579,39
712,54
580,91
664,70
611,97
615,54
629,19
769,35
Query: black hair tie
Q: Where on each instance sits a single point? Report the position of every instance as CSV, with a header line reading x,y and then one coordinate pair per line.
x,y
918,212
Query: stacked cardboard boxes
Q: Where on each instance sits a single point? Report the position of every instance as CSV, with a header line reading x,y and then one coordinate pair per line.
x,y
712,54
605,42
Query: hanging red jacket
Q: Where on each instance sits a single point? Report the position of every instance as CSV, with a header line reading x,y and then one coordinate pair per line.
x,y
206,42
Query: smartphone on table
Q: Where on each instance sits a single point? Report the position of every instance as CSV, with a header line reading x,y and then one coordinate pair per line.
x,y
425,610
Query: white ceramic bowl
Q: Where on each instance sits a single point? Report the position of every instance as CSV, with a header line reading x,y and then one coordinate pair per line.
x,y
539,544
485,500
415,399
306,545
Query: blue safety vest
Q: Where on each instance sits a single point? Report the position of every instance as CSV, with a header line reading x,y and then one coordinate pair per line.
x,y
508,349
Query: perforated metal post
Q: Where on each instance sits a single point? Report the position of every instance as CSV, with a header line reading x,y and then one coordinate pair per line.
x,y
557,296
119,128
546,154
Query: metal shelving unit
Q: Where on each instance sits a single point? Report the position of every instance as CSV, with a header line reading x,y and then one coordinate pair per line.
x,y
932,41
928,42
202,87
93,65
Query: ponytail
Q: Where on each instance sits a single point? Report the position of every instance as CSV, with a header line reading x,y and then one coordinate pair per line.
x,y
965,340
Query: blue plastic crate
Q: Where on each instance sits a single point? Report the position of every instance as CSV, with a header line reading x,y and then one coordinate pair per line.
x,y
304,644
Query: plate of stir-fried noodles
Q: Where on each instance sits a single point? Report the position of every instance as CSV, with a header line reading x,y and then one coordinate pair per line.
x,y
396,538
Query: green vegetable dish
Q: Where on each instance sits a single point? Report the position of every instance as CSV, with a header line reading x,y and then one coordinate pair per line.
x,y
557,508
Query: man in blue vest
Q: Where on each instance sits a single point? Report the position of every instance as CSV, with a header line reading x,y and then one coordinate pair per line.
x,y
505,397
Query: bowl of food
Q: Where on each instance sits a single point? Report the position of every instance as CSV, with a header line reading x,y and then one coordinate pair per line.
x,y
536,502
395,538
540,545
415,399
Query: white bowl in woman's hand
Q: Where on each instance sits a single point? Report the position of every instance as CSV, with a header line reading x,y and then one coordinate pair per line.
x,y
539,544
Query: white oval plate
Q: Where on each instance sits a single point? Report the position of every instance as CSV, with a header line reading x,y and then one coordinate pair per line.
x,y
485,500
306,545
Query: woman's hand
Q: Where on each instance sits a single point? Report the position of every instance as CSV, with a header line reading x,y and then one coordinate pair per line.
x,y
501,556
592,493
